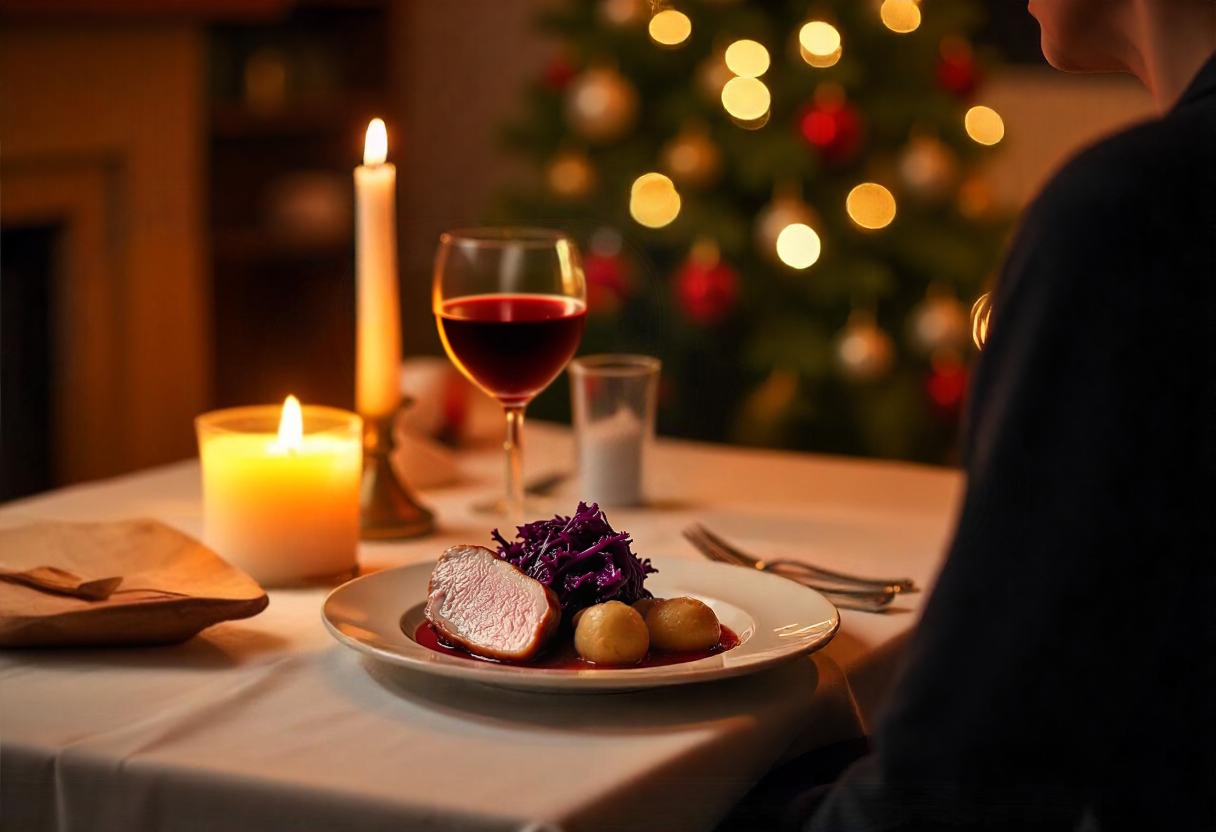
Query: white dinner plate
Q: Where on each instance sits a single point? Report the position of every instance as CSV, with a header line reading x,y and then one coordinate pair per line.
x,y
776,620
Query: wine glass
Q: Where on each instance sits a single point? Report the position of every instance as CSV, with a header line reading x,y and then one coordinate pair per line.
x,y
511,304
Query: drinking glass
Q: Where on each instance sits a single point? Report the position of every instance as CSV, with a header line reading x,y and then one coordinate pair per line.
x,y
613,398
511,305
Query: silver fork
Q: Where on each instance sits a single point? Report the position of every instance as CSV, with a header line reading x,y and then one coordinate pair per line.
x,y
800,568
865,600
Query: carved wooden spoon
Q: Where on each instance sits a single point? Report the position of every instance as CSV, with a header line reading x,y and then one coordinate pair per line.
x,y
62,582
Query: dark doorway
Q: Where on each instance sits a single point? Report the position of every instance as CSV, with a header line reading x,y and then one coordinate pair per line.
x,y
27,270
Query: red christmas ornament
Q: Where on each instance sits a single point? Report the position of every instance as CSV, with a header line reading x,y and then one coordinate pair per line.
x,y
957,72
607,283
833,128
947,385
559,73
707,289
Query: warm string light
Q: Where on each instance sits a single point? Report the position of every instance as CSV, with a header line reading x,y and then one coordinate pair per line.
x,y
747,58
653,200
798,246
984,125
900,16
746,99
870,205
819,44
670,27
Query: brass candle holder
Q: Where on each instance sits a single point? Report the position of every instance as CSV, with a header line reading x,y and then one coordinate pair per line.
x,y
388,509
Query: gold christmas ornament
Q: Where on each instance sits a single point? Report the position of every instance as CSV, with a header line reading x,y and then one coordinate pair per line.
x,y
928,168
765,414
975,198
620,14
981,317
863,351
692,158
653,200
601,104
712,75
787,232
939,322
570,175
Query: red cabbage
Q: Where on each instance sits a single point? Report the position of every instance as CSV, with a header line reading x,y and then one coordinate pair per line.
x,y
581,558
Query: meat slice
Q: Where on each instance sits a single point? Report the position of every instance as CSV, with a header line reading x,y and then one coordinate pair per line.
x,y
489,607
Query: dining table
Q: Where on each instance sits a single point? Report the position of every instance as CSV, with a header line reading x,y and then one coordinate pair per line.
x,y
269,723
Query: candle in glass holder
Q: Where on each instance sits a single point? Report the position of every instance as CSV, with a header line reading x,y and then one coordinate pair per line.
x,y
281,490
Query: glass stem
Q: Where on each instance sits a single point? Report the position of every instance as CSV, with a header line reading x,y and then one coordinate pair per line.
x,y
513,446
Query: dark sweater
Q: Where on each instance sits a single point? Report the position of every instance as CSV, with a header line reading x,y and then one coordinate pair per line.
x,y
1062,675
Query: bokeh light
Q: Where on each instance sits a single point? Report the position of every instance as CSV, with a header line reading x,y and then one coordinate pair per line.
x,y
819,44
670,27
747,58
981,315
819,38
746,99
984,124
901,16
820,61
870,205
798,246
653,200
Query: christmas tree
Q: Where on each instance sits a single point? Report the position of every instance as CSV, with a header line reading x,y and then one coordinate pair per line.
x,y
781,201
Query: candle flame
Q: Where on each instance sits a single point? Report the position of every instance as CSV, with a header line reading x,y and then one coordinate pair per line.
x,y
375,145
291,427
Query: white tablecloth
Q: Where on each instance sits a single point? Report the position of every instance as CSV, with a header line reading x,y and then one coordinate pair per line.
x,y
270,724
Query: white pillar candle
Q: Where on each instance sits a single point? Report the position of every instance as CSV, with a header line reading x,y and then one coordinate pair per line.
x,y
378,353
284,506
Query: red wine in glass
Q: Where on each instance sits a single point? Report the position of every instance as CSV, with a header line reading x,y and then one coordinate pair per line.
x,y
511,304
512,346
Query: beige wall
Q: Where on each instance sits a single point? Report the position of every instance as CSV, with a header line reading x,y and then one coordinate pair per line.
x,y
1049,116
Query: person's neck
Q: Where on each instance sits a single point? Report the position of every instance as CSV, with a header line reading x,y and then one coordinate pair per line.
x,y
1173,39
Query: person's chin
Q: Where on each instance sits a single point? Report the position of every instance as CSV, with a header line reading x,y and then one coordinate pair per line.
x,y
1055,57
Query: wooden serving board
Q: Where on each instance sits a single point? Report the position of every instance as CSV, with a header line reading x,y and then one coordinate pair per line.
x,y
172,588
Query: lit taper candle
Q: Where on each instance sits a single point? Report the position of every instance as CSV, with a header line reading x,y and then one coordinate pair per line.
x,y
378,354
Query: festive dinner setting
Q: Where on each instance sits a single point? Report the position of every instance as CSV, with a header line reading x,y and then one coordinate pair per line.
x,y
597,415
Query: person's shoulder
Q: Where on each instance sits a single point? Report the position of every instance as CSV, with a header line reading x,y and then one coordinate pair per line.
x,y
1150,176
1125,224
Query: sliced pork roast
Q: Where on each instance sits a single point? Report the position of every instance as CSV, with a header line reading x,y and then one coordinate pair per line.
x,y
489,607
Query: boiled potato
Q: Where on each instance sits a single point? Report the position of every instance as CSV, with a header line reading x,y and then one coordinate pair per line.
x,y
611,633
682,624
643,606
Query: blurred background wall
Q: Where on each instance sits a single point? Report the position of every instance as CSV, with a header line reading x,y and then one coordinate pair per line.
x,y
175,186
